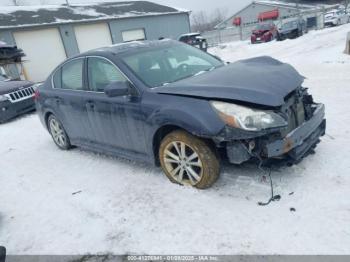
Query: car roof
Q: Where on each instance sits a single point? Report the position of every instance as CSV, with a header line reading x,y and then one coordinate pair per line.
x,y
129,47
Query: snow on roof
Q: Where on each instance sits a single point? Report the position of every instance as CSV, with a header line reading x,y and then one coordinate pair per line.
x,y
285,4
25,16
294,4
281,4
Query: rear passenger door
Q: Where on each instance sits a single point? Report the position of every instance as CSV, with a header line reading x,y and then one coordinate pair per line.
x,y
68,99
116,121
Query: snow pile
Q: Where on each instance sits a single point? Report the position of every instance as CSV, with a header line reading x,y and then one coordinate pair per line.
x,y
79,202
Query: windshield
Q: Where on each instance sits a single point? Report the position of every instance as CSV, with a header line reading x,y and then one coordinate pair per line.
x,y
263,27
291,24
170,64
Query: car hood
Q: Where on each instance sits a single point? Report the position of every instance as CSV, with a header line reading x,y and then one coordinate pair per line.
x,y
11,86
262,80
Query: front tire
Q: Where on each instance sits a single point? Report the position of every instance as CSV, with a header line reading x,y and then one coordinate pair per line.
x,y
58,133
188,160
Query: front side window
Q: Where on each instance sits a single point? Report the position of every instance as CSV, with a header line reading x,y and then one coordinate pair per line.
x,y
72,75
101,73
157,67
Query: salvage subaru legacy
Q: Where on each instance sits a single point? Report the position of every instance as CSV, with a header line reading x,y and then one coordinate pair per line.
x,y
173,105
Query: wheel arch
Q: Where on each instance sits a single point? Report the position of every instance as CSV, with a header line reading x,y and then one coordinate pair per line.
x,y
47,114
158,136
166,129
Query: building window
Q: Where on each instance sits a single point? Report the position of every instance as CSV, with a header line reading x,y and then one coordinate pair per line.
x,y
134,35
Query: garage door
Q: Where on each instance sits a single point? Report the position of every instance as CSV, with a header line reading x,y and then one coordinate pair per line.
x,y
92,36
44,51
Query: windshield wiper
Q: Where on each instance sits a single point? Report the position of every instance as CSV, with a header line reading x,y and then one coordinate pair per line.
x,y
196,74
203,71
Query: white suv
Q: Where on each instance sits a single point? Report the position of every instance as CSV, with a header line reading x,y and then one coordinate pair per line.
x,y
336,17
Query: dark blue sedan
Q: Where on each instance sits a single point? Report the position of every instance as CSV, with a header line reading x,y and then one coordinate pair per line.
x,y
172,105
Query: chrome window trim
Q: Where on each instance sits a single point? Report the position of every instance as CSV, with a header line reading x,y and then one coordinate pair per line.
x,y
89,91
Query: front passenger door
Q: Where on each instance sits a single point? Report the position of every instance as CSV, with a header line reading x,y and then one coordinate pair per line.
x,y
116,121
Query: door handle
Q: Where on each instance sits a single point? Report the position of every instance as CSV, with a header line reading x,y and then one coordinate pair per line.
x,y
57,99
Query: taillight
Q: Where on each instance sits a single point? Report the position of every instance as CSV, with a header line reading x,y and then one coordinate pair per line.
x,y
36,94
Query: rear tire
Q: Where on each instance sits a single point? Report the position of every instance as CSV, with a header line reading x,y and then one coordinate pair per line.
x,y
188,160
58,133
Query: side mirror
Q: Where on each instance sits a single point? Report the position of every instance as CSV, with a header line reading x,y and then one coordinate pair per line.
x,y
119,88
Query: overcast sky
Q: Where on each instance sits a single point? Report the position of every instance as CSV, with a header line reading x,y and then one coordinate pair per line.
x,y
194,5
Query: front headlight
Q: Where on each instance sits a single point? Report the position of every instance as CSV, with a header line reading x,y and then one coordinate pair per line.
x,y
3,98
247,118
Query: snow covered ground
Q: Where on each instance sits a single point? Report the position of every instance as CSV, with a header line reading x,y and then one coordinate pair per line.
x,y
125,207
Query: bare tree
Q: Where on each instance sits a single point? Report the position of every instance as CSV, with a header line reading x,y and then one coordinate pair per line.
x,y
218,16
201,21
15,2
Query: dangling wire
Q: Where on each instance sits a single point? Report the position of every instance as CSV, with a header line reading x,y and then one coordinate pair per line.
x,y
273,196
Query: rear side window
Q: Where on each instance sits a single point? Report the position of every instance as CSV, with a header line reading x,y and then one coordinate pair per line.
x,y
101,73
72,75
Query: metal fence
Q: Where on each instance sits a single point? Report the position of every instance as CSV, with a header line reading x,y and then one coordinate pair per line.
x,y
216,37
314,20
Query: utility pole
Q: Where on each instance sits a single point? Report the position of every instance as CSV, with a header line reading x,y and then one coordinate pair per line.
x,y
15,2
298,8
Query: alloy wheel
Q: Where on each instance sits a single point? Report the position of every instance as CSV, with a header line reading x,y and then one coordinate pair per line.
x,y
183,163
58,133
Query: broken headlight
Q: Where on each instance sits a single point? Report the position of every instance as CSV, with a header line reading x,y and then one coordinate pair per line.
x,y
246,118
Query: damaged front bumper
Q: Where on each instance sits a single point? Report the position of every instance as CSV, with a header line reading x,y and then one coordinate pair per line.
x,y
267,146
301,140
